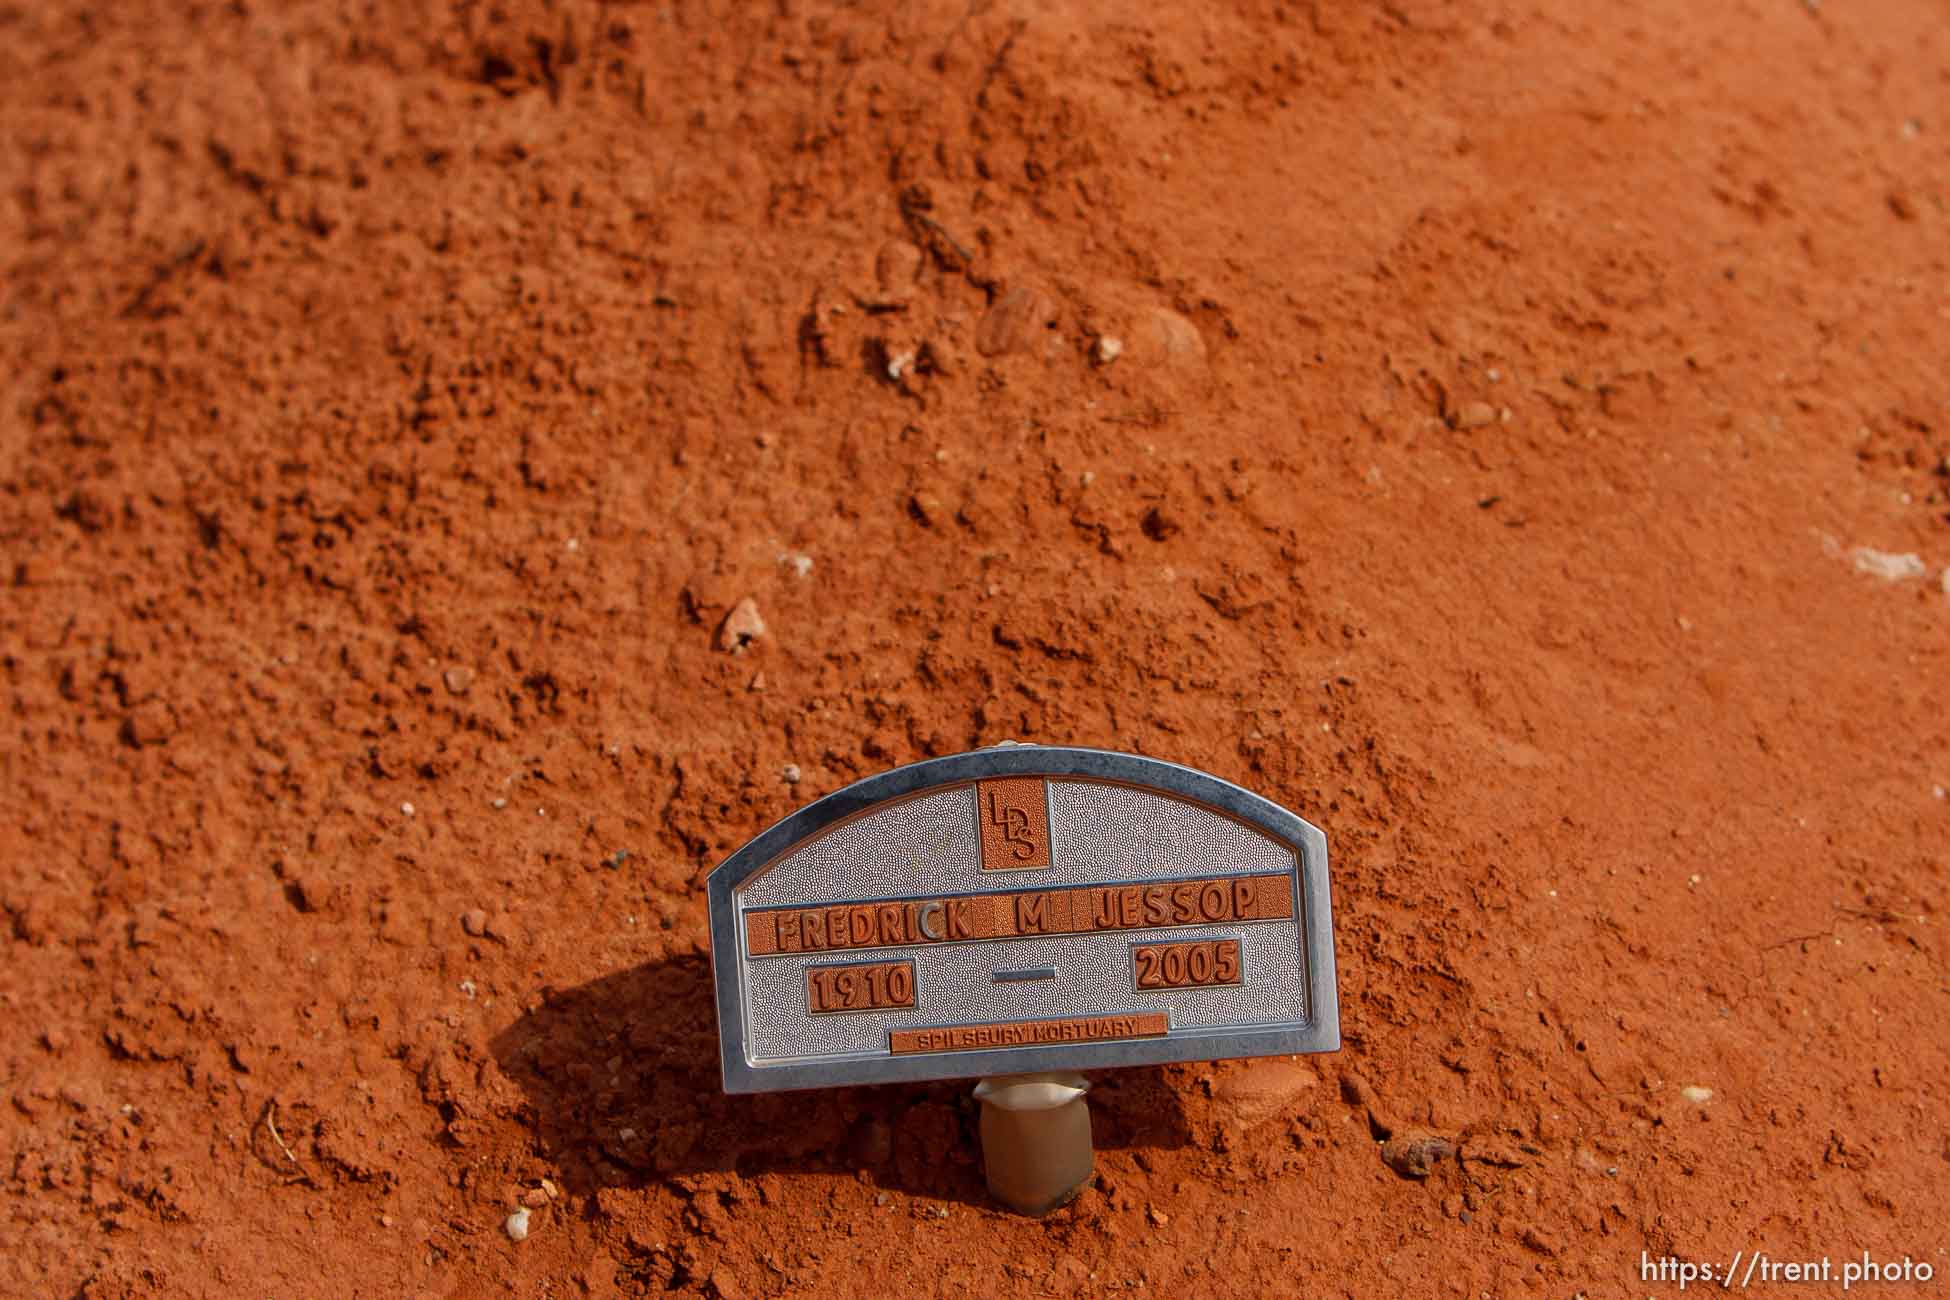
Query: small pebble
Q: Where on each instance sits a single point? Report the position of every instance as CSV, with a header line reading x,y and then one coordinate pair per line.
x,y
474,921
1108,349
1888,566
926,509
499,803
741,627
406,810
517,1225
1010,322
896,269
1414,1155
535,1198
1697,1095
1163,337
1474,415
789,774
458,679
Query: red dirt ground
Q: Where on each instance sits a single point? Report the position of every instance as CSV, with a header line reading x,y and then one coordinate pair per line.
x,y
396,402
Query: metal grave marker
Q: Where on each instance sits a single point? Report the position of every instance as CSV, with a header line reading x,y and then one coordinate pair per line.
x,y
1022,913
1019,909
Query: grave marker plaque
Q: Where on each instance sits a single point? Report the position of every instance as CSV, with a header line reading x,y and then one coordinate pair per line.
x,y
1019,909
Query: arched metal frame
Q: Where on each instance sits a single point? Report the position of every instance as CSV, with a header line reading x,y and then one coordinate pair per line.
x,y
1317,1030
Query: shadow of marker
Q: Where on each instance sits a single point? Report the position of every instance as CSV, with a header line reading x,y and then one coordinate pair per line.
x,y
621,1075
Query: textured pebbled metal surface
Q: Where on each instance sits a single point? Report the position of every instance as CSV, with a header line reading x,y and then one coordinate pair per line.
x,y
1138,852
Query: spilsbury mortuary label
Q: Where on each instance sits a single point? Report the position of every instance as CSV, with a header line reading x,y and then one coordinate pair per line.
x,y
1015,909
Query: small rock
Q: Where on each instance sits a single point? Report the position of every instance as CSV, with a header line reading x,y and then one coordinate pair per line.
x,y
757,684
535,1198
789,774
1473,415
406,810
517,1225
724,1286
1008,324
741,627
1413,1155
1158,1217
1162,338
1888,566
151,722
1495,1151
1697,1095
1537,1241
926,509
474,921
458,679
1107,350
895,271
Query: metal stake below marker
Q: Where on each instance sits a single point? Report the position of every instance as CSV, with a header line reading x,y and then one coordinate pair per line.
x,y
1035,1139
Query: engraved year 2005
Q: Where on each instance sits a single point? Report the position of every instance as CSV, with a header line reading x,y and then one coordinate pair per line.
x,y
881,986
1186,965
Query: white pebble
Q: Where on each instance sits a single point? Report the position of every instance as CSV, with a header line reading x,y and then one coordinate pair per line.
x,y
1887,565
789,774
406,809
574,544
626,1134
1109,349
500,803
1697,1095
517,1225
899,365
